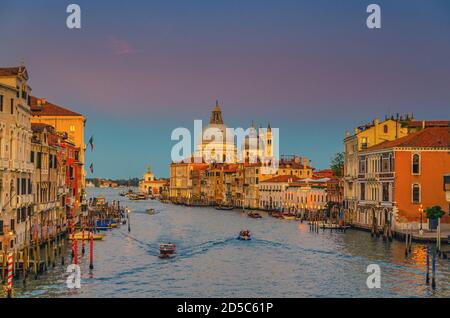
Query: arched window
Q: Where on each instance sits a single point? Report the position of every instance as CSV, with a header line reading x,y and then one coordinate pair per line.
x,y
385,129
416,193
416,164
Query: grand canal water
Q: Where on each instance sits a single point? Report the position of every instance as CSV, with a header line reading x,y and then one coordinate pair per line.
x,y
283,260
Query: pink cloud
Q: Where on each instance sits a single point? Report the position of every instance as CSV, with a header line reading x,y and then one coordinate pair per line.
x,y
119,46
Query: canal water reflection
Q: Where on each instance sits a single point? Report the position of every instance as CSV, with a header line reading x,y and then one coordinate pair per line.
x,y
284,259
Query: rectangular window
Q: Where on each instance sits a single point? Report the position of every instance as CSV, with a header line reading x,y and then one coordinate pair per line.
x,y
363,191
18,186
39,160
24,186
12,106
415,194
12,224
364,143
1,103
1,228
386,192
32,157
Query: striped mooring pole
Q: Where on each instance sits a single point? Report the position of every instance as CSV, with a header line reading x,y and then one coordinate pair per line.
x,y
10,275
91,251
82,235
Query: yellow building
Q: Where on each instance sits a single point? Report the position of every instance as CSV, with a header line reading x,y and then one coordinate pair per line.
x,y
364,137
150,185
48,182
63,120
16,201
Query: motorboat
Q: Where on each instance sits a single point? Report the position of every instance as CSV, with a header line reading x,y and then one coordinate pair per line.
x,y
254,215
277,215
150,211
245,235
167,250
137,197
289,216
225,207
79,236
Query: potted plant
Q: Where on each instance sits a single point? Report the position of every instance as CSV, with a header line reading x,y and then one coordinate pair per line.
x,y
434,214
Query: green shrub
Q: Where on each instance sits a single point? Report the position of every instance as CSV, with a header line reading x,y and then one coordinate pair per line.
x,y
435,212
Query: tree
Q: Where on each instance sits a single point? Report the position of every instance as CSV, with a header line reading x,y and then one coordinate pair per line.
x,y
337,164
434,212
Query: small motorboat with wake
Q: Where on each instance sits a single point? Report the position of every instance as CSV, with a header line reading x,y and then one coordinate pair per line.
x,y
245,235
150,211
167,250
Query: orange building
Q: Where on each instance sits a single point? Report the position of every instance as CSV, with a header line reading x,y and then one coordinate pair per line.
x,y
64,120
396,178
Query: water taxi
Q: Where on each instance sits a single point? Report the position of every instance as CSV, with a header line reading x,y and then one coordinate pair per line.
x,y
150,211
225,207
167,250
137,197
254,215
289,216
277,215
245,235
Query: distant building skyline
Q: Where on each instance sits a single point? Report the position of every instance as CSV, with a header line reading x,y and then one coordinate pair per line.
x,y
311,68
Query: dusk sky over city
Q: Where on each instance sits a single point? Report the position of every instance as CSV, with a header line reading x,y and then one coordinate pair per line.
x,y
312,69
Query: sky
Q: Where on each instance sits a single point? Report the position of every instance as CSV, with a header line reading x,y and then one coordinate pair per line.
x,y
139,69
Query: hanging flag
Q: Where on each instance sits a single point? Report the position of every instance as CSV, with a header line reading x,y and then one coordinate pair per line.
x,y
91,168
91,142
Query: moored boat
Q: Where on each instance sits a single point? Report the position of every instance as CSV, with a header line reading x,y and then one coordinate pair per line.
x,y
277,215
254,215
137,197
79,236
224,207
289,216
167,250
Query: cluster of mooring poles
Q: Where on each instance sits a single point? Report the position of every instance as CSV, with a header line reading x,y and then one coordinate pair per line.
x,y
40,252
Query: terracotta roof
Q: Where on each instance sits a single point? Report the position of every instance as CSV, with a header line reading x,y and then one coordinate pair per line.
x,y
199,166
40,127
428,123
283,178
9,71
230,168
49,109
434,137
327,173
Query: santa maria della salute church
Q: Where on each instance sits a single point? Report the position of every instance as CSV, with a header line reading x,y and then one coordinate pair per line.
x,y
221,144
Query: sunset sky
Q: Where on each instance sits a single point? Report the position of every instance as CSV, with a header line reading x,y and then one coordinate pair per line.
x,y
139,69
